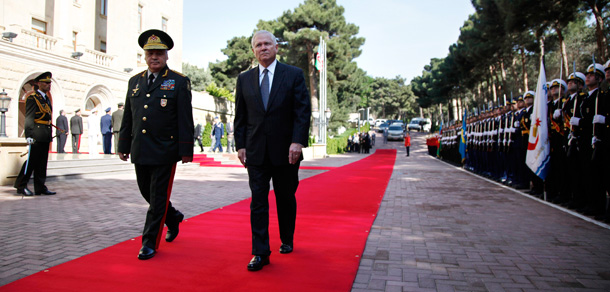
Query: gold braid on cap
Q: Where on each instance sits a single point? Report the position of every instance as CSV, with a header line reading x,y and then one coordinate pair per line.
x,y
154,43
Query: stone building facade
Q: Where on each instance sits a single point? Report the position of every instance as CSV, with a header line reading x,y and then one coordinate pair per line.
x,y
90,46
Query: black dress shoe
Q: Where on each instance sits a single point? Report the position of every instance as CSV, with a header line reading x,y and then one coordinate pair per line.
x,y
146,253
258,262
46,193
286,248
172,231
24,192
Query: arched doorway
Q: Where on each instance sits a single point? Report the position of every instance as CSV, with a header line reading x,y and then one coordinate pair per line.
x,y
98,98
27,85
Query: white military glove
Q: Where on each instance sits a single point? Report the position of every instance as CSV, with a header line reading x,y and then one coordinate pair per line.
x,y
574,121
595,140
30,141
557,114
599,119
517,124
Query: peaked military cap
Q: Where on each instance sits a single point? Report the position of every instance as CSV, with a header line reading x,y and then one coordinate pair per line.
x,y
596,68
557,82
607,65
528,94
44,77
577,76
154,39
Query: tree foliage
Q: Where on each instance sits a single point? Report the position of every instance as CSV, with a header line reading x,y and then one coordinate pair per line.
x,y
200,78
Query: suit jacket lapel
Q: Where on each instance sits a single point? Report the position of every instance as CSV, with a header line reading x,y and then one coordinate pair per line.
x,y
278,78
257,87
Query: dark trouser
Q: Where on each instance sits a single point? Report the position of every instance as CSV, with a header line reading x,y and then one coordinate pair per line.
x,y
155,184
61,143
38,158
285,183
407,150
200,143
116,141
75,143
107,143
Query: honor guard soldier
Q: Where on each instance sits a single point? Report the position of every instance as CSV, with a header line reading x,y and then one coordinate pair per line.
x,y
38,117
555,182
157,131
601,151
583,120
576,83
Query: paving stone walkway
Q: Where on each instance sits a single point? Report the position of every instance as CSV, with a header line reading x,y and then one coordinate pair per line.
x,y
439,228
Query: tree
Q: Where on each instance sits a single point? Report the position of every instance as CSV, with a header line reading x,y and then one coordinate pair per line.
x,y
200,78
240,58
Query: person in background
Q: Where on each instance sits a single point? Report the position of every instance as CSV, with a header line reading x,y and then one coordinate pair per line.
x,y
407,142
93,127
117,117
106,130
197,134
62,131
76,128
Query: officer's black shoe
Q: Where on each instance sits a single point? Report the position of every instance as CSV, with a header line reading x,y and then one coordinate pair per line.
x,y
257,263
172,231
24,192
46,193
286,248
146,253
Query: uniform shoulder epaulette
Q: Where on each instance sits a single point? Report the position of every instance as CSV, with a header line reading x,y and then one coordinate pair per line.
x,y
30,93
178,73
139,73
582,93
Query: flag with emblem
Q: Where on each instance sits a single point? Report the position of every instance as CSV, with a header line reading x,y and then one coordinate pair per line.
x,y
463,138
538,146
319,59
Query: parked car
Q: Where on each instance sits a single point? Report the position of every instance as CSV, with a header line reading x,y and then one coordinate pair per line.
x,y
395,132
378,122
420,124
382,127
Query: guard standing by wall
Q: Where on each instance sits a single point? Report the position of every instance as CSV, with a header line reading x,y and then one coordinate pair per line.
x,y
38,117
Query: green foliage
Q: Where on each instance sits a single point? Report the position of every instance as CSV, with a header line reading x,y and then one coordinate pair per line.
x,y
216,91
200,78
298,32
337,145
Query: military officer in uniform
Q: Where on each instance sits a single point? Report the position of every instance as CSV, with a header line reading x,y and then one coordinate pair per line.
x,y
117,117
76,128
157,131
38,117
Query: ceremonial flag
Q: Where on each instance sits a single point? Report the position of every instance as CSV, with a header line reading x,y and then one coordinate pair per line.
x,y
319,59
538,147
463,138
440,138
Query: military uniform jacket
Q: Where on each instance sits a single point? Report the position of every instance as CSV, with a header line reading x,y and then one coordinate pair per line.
x,y
157,126
76,125
117,117
38,118
602,131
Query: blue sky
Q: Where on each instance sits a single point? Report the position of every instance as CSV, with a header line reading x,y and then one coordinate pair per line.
x,y
401,35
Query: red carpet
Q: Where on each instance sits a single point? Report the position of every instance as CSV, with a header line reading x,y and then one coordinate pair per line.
x,y
335,212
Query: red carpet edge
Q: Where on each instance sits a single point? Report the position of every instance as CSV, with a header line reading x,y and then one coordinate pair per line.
x,y
336,210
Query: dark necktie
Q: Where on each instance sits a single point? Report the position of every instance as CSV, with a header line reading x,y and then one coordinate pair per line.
x,y
265,88
151,78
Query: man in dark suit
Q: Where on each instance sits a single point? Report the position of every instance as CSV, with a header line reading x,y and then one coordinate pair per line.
x,y
61,131
117,117
197,135
272,116
38,111
76,128
157,130
106,128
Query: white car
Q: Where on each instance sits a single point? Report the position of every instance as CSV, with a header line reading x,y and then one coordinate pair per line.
x,y
420,124
378,122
